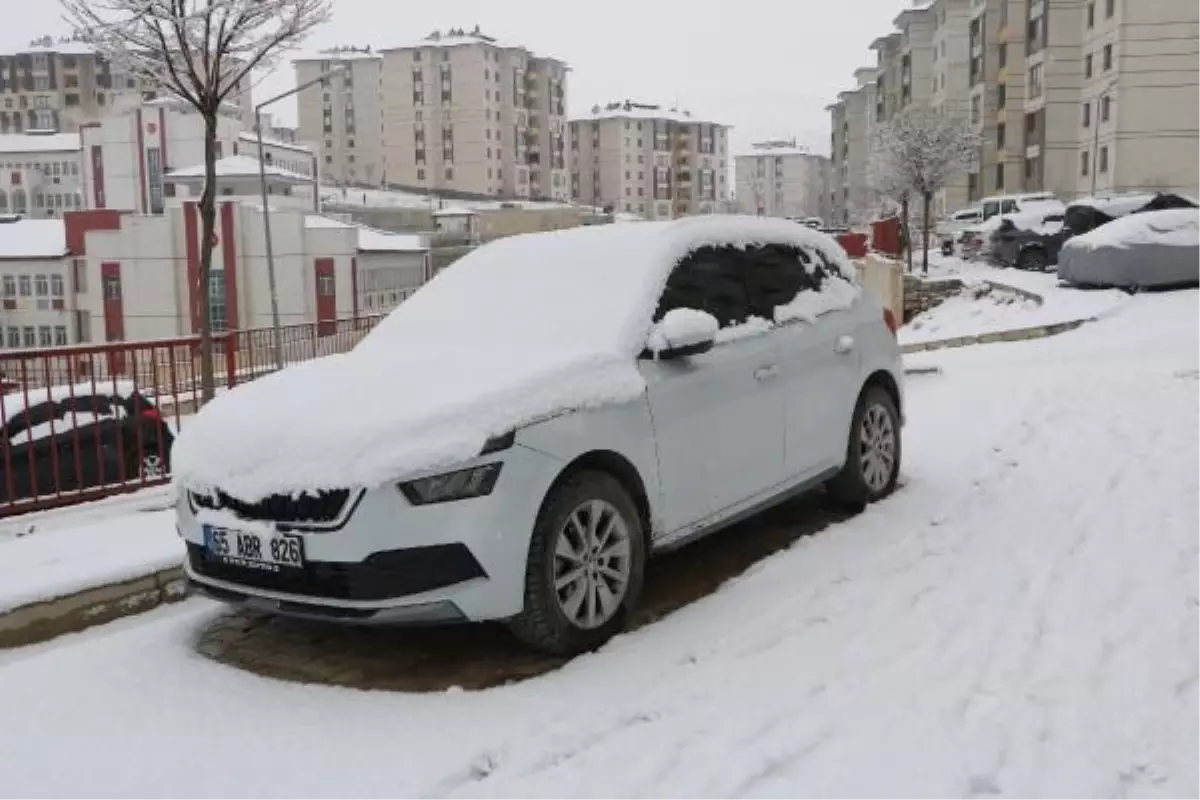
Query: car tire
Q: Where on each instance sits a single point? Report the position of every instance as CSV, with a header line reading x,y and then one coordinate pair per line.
x,y
1033,261
872,465
555,617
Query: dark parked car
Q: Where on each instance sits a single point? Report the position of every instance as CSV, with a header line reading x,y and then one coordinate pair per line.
x,y
1084,216
73,439
1033,248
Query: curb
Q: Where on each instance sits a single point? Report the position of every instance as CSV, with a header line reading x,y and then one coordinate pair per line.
x,y
1014,335
47,619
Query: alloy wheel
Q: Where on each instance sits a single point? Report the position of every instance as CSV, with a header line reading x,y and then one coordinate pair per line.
x,y
877,448
592,564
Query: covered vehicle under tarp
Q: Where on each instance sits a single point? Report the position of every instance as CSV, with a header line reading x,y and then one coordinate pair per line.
x,y
1146,250
1088,213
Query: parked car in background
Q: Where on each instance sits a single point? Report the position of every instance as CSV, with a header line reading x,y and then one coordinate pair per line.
x,y
73,438
1086,214
999,204
950,230
1029,212
516,454
1029,239
1144,250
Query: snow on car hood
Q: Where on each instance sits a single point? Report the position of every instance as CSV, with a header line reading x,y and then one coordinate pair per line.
x,y
517,330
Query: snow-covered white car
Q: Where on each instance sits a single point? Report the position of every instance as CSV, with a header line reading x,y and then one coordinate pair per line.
x,y
519,436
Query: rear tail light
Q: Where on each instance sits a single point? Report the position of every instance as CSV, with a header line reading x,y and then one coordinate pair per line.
x,y
889,319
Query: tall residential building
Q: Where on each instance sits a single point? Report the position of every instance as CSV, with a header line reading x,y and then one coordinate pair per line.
x,y
1136,127
854,117
61,86
342,118
1053,80
917,27
951,84
657,162
779,179
465,113
996,72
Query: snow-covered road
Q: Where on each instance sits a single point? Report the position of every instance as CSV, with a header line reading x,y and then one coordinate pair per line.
x,y
1020,620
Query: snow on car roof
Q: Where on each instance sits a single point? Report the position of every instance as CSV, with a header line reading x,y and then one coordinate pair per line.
x,y
1116,205
1031,216
1177,227
16,402
520,329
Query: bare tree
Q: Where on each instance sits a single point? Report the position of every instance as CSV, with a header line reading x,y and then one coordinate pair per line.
x,y
892,185
919,151
203,52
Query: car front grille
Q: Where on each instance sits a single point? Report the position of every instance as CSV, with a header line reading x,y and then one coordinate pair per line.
x,y
305,509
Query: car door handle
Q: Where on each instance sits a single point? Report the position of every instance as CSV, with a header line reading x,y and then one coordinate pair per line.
x,y
766,373
843,345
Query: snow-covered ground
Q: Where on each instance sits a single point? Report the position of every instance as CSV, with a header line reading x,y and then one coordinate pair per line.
x,y
1020,620
974,313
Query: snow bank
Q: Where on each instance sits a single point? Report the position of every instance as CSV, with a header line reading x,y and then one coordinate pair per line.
x,y
520,328
1175,227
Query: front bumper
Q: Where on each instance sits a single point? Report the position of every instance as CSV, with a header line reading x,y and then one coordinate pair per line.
x,y
392,561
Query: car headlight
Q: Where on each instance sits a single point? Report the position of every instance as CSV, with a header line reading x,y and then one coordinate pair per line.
x,y
459,485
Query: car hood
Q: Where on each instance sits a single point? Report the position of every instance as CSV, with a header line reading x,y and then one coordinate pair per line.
x,y
361,420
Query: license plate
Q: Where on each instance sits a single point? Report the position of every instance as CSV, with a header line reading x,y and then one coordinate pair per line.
x,y
270,552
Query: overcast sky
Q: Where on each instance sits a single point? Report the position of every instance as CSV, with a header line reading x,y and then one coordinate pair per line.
x,y
767,67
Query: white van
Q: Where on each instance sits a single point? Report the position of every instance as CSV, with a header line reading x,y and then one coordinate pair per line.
x,y
1011,203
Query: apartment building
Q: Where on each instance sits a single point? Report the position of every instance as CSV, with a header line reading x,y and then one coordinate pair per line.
x,y
342,118
1136,122
951,84
779,179
60,86
659,163
1053,80
917,27
854,118
464,113
40,174
996,73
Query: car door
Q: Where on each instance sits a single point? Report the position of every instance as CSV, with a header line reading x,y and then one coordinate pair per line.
x,y
718,416
819,357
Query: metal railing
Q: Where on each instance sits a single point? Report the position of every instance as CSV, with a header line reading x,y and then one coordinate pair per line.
x,y
83,422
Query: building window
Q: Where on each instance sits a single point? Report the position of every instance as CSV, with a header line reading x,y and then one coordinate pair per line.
x,y
60,335
1091,15
999,176
26,284
112,287
1001,54
154,177
1107,57
10,286
1087,66
1035,80
14,337
1105,108
1085,159
1087,115
1001,130
325,285
41,285
217,311
1002,96
29,336
1104,159
45,336
56,285
1110,7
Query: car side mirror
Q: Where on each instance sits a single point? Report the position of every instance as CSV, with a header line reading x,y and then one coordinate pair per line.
x,y
682,332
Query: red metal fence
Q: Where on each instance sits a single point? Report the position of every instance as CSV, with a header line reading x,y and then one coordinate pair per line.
x,y
83,422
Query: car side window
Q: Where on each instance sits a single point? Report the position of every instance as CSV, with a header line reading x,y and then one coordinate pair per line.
x,y
775,274
708,279
1008,206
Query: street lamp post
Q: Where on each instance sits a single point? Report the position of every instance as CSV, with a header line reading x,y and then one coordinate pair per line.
x,y
277,331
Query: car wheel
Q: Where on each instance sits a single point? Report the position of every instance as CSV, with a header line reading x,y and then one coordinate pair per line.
x,y
872,453
148,465
586,563
1033,260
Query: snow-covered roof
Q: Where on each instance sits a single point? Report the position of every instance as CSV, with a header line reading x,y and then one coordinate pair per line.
x,y
339,54
250,136
394,198
1178,227
494,342
39,142
460,37
628,109
32,238
770,152
238,167
65,48
372,240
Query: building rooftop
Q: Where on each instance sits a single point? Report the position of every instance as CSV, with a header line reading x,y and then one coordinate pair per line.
x,y
633,110
371,240
784,147
39,142
252,137
32,238
238,167
341,54
67,47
